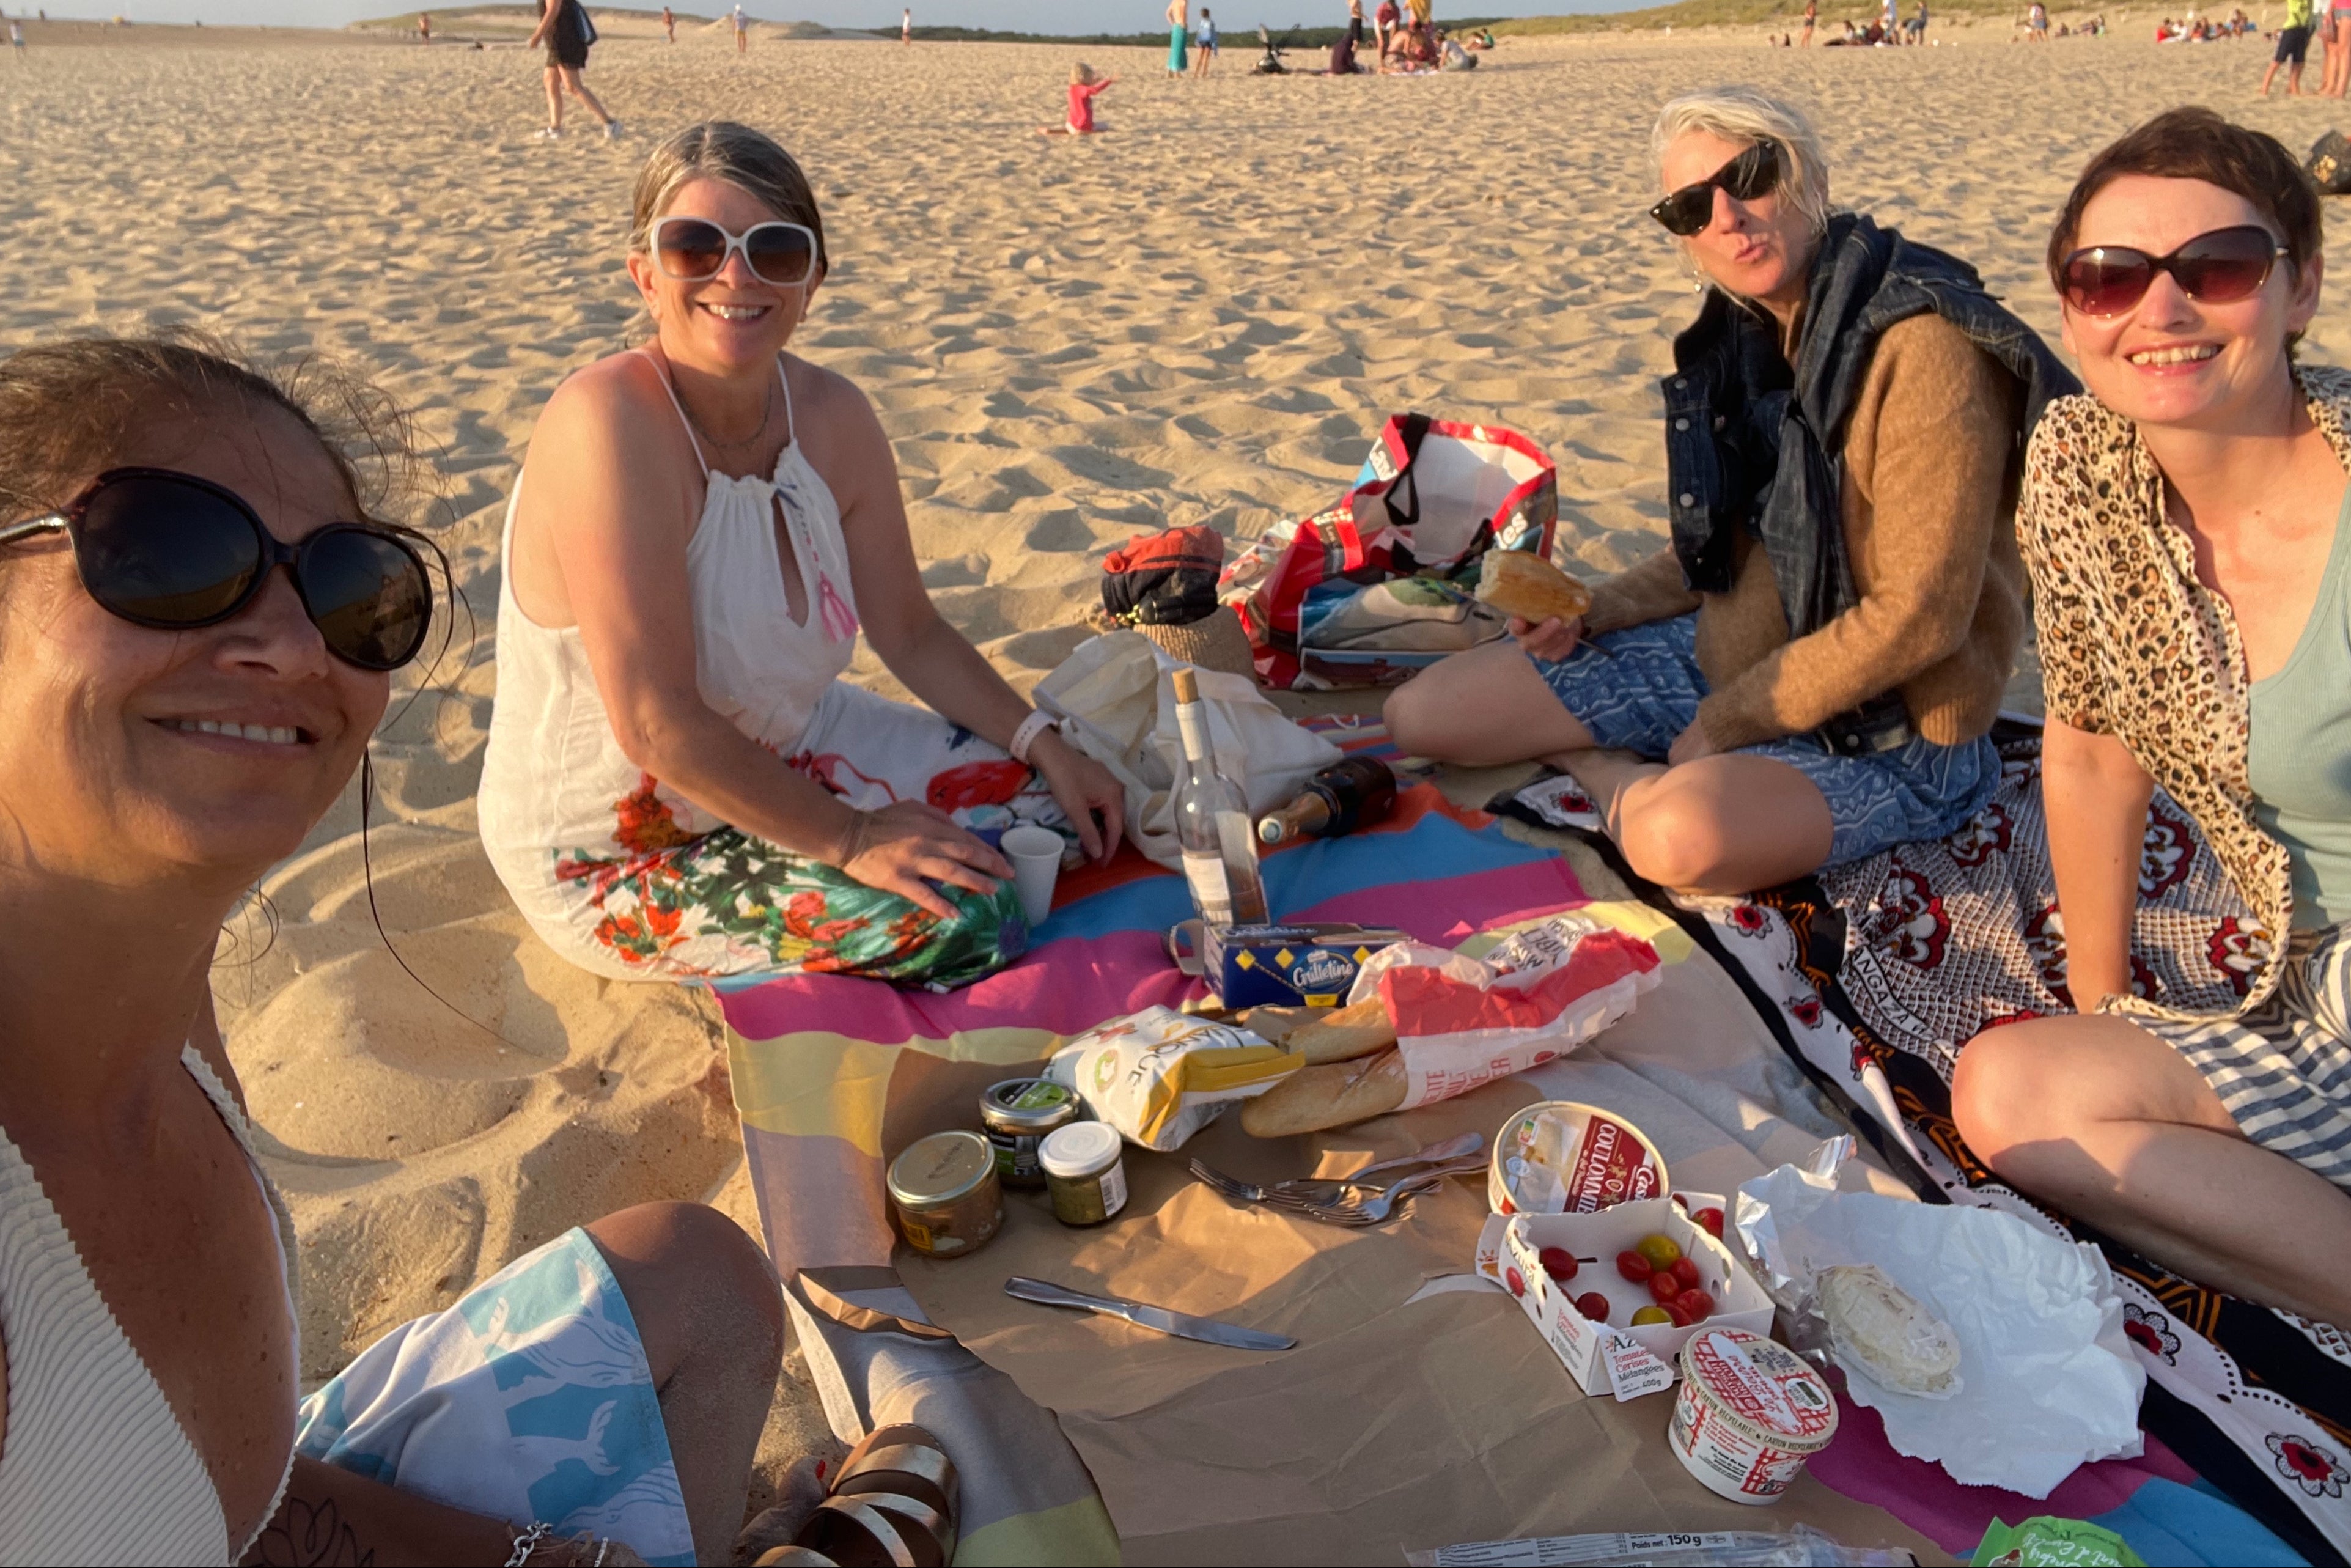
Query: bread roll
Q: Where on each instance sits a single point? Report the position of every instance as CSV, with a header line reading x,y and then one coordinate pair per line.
x,y
1344,1034
1332,1095
1529,587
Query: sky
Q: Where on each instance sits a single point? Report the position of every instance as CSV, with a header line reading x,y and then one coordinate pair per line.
x,y
1012,15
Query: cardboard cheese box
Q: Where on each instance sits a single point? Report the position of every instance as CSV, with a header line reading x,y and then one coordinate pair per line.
x,y
1305,964
1615,1357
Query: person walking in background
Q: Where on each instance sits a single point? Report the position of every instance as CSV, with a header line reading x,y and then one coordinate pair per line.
x,y
2292,48
1916,25
1205,43
17,38
1385,19
742,31
563,28
1812,15
424,28
906,27
1179,15
668,24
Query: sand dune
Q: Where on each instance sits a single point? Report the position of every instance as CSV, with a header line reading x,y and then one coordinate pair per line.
x,y
1199,317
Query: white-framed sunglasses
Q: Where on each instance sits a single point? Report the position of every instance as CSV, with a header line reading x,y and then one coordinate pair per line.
x,y
695,250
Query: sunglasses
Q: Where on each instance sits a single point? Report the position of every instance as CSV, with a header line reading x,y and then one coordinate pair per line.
x,y
175,552
2213,268
695,250
1754,172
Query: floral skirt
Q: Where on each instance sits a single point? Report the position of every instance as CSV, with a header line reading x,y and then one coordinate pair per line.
x,y
730,903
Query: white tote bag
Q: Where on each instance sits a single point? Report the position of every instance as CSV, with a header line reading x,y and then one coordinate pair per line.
x,y
1116,698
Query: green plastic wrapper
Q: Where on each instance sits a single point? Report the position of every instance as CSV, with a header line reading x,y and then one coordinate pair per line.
x,y
2047,1540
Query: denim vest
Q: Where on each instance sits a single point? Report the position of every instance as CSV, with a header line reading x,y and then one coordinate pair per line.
x,y
1754,443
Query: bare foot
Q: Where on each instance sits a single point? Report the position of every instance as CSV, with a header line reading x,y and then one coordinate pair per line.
x,y
802,1490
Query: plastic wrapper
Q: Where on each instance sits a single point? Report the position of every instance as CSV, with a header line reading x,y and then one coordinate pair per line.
x,y
1159,1077
1799,1548
1462,1022
2044,1540
2047,1378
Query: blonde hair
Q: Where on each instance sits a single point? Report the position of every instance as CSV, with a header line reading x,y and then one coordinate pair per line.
x,y
1082,75
1749,114
749,159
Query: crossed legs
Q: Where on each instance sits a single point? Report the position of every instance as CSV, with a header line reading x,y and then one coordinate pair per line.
x,y
1720,824
2113,1125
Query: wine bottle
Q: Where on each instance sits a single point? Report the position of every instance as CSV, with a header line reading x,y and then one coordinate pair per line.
x,y
1212,823
1339,800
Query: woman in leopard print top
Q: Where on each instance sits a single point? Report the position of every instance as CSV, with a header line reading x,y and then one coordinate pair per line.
x,y
2180,526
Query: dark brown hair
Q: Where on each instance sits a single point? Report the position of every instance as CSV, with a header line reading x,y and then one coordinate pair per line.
x,y
67,410
737,156
2196,144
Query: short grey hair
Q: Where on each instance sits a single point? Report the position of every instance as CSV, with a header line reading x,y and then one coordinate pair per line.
x,y
737,155
1749,114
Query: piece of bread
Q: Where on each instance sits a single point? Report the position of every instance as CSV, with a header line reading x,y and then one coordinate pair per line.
x,y
1344,1034
1332,1095
1276,1024
1529,587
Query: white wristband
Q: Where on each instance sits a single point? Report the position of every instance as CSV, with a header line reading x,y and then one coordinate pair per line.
x,y
1038,722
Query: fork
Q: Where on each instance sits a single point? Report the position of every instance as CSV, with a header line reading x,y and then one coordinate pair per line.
x,y
1333,1190
1373,1210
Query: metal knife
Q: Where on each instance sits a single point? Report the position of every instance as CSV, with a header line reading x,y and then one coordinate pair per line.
x,y
1182,1325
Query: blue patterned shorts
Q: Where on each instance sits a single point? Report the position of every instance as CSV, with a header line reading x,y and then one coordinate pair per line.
x,y
1637,689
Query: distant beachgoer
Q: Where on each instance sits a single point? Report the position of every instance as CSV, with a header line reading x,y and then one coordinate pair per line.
x,y
1812,15
1085,87
678,783
17,38
1386,19
2292,46
1775,735
1342,52
668,24
2036,23
1889,20
2338,52
1178,13
906,27
425,27
201,615
563,28
1419,11
1204,43
742,31
1916,25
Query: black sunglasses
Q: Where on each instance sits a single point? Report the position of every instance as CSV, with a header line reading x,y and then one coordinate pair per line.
x,y
175,552
2214,268
1753,174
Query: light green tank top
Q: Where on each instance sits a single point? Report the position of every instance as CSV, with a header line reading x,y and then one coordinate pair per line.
x,y
2301,747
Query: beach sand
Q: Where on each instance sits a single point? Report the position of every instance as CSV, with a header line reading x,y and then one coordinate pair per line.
x,y
1199,317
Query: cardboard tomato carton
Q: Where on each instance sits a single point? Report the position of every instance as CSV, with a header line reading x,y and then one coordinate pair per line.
x,y
1615,1357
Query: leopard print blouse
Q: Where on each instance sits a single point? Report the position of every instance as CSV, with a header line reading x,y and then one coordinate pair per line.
x,y
2133,646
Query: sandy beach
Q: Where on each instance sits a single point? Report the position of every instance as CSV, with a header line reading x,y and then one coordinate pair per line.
x,y
1199,318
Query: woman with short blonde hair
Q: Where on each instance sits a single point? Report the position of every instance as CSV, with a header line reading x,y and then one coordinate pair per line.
x,y
1806,675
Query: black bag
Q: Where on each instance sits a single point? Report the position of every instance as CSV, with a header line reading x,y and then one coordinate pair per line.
x,y
2330,164
588,34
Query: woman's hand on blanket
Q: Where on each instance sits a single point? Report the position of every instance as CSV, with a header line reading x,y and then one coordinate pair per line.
x,y
1690,745
1086,790
907,847
1551,640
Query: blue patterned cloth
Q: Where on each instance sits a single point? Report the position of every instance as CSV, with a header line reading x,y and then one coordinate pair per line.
x,y
529,1401
1639,688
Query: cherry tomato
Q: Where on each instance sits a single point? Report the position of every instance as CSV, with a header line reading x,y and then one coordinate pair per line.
x,y
1674,1314
1696,1304
1517,1281
1664,1286
1644,1316
1633,1266
1686,1271
1593,1305
1710,1221
1559,1263
1662,1252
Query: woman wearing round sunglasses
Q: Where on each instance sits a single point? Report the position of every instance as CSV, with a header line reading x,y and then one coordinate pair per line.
x,y
678,783
199,620
2188,534
1806,675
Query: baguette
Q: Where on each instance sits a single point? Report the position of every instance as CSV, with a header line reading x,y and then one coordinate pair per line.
x,y
1530,588
1274,1024
1332,1095
1344,1034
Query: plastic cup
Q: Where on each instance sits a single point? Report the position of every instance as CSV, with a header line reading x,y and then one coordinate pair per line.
x,y
1036,857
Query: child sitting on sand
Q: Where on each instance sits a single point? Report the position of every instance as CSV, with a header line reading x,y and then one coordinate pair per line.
x,y
1083,86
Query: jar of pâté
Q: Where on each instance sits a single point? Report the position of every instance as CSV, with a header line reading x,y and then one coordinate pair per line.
x,y
943,1190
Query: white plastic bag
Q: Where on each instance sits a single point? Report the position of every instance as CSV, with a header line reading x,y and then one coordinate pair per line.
x,y
1462,1021
1116,695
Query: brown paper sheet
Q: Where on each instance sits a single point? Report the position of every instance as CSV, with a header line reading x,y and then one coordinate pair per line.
x,y
1390,1428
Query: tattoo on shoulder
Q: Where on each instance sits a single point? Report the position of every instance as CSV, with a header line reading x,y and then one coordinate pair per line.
x,y
302,1536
